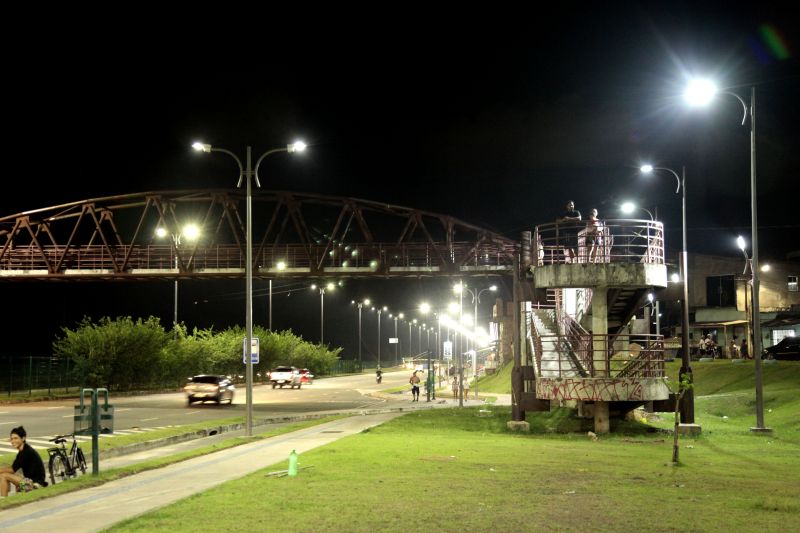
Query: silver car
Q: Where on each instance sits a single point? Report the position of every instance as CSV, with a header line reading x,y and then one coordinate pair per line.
x,y
209,388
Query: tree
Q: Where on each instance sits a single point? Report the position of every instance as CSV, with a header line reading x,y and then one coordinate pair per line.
x,y
683,385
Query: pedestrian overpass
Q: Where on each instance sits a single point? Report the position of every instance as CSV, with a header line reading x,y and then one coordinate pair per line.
x,y
570,329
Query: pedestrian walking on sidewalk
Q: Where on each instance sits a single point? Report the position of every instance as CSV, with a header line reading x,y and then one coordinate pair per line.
x,y
466,388
414,380
454,386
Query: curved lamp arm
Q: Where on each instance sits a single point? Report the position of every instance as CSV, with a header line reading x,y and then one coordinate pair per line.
x,y
261,158
744,105
236,158
674,174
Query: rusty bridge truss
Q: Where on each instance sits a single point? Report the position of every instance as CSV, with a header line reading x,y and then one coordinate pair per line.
x,y
294,236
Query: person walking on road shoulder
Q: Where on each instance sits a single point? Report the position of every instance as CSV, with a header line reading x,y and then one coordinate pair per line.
x,y
27,462
414,380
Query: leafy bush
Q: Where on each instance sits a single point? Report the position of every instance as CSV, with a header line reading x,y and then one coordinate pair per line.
x,y
123,354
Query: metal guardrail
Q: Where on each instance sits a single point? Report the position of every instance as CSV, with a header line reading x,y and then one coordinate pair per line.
x,y
613,241
192,258
601,356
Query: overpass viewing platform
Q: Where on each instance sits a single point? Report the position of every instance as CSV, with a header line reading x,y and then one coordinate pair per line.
x,y
580,345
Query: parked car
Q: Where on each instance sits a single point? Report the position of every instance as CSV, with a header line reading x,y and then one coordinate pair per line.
x,y
209,387
306,376
787,350
285,375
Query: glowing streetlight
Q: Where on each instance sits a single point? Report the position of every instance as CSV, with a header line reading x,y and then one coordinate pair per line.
x,y
702,92
191,232
249,173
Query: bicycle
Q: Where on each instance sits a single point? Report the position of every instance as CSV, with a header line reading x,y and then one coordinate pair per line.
x,y
63,465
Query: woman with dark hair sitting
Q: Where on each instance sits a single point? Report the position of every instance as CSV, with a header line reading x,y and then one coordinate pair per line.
x,y
27,472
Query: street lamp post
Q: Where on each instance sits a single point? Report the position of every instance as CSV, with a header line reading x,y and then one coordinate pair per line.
x,y
360,305
191,232
687,402
701,92
248,173
330,287
384,308
475,294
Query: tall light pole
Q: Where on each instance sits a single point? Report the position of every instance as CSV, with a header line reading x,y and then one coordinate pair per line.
x,y
396,337
191,232
248,173
380,309
687,403
701,92
360,305
475,294
329,287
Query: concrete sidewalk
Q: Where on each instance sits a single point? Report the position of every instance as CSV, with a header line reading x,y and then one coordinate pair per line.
x,y
97,508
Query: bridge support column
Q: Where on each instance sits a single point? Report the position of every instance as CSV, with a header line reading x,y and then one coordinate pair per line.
x,y
600,327
601,422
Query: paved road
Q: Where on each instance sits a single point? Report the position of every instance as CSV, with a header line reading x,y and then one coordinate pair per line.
x,y
141,413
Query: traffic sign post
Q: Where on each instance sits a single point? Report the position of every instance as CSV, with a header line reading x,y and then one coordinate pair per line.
x,y
253,350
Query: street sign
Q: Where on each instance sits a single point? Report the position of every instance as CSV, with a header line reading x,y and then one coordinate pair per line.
x,y
253,350
448,350
393,340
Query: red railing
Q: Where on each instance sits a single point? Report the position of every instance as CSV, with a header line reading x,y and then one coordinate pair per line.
x,y
125,258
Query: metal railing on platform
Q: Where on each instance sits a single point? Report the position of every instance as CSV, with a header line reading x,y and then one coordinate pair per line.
x,y
600,356
613,241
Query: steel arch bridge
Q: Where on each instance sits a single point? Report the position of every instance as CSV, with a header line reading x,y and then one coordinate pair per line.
x,y
295,235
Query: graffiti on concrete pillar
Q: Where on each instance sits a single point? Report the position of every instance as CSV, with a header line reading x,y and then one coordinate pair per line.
x,y
602,389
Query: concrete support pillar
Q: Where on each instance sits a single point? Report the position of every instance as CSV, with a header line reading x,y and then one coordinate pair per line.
x,y
600,328
601,422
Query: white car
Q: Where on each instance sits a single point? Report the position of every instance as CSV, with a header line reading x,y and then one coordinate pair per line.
x,y
285,375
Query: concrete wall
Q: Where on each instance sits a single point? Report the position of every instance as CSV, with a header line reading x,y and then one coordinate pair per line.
x,y
636,275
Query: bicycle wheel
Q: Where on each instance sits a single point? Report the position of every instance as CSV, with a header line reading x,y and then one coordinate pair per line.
x,y
80,461
58,468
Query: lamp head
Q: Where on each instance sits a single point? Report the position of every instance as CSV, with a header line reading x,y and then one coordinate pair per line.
x,y
330,286
367,301
191,232
295,147
201,147
740,243
627,208
424,308
700,92
646,169
493,288
161,232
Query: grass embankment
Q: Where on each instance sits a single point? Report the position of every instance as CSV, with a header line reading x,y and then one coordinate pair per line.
x,y
470,473
499,382
87,481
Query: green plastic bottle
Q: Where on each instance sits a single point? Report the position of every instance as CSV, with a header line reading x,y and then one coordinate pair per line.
x,y
293,463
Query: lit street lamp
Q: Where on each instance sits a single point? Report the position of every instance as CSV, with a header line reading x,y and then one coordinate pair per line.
x,y
687,402
380,309
701,92
329,287
629,207
476,299
192,233
360,305
248,173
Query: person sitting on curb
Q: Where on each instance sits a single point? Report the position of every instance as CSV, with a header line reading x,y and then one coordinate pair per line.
x,y
27,462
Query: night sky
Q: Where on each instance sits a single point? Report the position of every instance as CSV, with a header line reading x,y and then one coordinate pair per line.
x,y
496,120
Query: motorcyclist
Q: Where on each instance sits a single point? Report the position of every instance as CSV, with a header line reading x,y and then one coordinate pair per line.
x,y
378,375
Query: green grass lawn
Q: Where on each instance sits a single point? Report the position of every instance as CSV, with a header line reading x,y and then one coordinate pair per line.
x,y
453,470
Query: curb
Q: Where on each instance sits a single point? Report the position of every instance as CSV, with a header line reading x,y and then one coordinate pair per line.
x,y
216,430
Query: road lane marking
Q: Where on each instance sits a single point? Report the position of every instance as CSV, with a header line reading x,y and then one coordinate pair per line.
x,y
147,419
57,407
6,423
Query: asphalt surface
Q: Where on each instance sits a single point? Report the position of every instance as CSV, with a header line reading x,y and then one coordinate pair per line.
x,y
137,414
